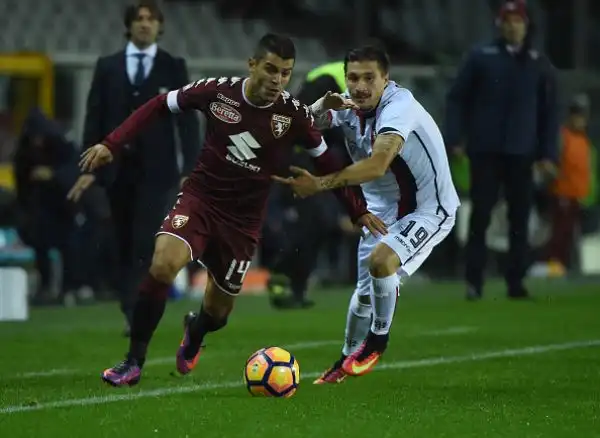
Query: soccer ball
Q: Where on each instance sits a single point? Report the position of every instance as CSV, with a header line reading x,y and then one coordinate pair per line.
x,y
272,372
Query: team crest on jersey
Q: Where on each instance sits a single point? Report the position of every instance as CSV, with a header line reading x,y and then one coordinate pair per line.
x,y
179,221
225,113
280,125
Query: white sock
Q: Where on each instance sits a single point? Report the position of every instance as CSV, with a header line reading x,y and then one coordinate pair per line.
x,y
358,321
384,292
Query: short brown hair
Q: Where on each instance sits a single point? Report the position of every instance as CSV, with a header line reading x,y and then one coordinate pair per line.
x,y
132,11
280,45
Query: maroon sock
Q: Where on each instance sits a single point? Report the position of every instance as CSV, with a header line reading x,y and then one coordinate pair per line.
x,y
147,313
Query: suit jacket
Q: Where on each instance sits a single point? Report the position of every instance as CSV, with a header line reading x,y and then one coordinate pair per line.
x,y
152,160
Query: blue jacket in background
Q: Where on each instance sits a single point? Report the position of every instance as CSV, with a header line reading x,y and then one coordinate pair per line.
x,y
504,103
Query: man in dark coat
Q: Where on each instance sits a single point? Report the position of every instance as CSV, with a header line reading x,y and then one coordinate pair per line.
x,y
502,112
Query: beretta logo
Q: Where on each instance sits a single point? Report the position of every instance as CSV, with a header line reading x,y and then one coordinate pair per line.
x,y
225,113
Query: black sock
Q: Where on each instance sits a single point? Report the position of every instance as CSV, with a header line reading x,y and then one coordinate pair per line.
x,y
203,324
147,313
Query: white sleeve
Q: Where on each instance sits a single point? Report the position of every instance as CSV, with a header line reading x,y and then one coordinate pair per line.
x,y
324,119
172,101
334,119
399,115
196,95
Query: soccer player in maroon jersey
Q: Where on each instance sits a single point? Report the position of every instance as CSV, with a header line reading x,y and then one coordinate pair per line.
x,y
252,125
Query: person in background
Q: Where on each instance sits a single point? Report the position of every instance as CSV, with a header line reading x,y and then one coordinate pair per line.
x,y
570,188
45,167
502,112
308,224
141,184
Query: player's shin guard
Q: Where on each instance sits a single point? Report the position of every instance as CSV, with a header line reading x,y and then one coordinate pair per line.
x,y
384,293
147,313
358,321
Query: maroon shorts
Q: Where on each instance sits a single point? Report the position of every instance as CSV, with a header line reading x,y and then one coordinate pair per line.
x,y
225,251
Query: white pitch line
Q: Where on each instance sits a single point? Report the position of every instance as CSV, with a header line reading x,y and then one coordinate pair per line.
x,y
419,363
291,347
171,359
46,373
165,360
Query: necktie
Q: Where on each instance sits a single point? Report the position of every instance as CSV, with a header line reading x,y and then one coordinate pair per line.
x,y
140,74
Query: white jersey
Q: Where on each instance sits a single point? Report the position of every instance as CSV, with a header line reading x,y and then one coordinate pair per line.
x,y
418,179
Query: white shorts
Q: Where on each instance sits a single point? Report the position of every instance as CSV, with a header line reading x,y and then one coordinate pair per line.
x,y
412,238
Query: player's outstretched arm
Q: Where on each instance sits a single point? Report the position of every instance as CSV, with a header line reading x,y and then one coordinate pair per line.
x,y
136,123
103,153
306,184
385,149
322,108
350,197
192,96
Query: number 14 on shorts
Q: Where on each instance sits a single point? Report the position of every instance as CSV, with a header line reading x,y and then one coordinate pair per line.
x,y
238,267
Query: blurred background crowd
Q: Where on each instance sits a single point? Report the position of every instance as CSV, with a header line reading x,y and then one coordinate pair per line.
x,y
57,98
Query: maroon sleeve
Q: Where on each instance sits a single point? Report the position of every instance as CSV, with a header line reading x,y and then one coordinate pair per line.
x,y
196,95
326,162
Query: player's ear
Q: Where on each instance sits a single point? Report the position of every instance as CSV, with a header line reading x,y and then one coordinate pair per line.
x,y
251,64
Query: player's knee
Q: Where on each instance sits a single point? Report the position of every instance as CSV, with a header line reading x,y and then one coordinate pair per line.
x,y
170,256
164,266
164,270
383,262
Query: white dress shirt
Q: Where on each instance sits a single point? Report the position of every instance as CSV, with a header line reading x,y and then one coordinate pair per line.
x,y
132,60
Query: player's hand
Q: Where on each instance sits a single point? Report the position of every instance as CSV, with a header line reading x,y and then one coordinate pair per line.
x,y
337,102
95,157
547,168
375,225
304,184
42,173
82,184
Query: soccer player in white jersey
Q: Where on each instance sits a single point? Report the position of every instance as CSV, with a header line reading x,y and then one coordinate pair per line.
x,y
401,164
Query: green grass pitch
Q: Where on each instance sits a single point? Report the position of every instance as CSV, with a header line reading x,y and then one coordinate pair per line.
x,y
495,368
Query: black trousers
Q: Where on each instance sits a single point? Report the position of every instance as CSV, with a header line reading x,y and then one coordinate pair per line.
x,y
137,213
305,238
491,174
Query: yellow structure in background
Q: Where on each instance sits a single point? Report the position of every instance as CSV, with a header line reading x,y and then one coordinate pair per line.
x,y
33,75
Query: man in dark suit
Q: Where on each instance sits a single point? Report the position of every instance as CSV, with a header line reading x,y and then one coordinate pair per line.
x,y
503,105
140,184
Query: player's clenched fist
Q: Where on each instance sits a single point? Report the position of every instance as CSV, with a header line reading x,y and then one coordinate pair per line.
x,y
95,157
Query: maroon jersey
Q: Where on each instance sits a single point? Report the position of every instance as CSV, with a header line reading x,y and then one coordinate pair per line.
x,y
245,144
